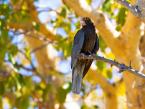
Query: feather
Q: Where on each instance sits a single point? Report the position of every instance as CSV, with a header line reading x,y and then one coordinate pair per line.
x,y
85,41
77,46
77,75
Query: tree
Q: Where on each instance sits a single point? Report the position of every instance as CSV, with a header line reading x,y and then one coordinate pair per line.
x,y
30,53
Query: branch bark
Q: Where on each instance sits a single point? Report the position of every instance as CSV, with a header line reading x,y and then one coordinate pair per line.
x,y
133,8
122,67
142,45
137,9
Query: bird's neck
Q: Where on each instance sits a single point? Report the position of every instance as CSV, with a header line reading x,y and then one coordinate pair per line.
x,y
89,26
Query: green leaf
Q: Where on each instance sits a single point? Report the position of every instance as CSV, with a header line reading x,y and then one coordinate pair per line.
x,y
65,46
47,90
61,95
101,65
2,54
4,36
109,73
102,44
62,92
14,1
63,12
1,102
23,102
120,18
11,59
4,42
36,26
118,27
5,10
27,52
2,88
13,49
107,6
89,2
84,106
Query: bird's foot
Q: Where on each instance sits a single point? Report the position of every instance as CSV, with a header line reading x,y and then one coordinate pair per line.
x,y
94,55
88,53
82,56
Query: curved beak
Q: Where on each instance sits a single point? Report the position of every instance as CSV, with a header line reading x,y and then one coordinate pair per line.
x,y
82,22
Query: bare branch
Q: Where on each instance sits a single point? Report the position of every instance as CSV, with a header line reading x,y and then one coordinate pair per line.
x,y
133,8
40,47
122,67
39,9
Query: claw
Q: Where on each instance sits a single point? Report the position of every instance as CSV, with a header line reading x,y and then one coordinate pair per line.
x,y
93,54
82,55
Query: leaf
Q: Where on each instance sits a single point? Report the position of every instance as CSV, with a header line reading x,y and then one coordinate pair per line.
x,y
11,59
96,107
61,93
63,12
65,46
107,6
89,2
18,82
102,44
23,102
84,106
13,49
109,73
120,18
48,89
101,65
14,1
4,42
2,88
5,10
28,53
2,54
36,26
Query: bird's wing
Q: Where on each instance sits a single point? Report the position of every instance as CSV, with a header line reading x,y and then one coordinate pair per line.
x,y
96,47
89,62
87,66
77,46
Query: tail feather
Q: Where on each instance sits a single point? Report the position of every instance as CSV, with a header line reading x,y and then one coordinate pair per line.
x,y
77,75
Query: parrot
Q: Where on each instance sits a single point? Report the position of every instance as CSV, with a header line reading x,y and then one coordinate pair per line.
x,y
85,42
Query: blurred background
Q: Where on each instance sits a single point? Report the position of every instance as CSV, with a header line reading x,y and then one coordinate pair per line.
x,y
35,46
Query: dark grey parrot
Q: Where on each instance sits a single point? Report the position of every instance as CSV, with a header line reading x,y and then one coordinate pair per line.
x,y
85,41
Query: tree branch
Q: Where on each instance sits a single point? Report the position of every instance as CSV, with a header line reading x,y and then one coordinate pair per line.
x,y
122,67
40,47
133,8
136,9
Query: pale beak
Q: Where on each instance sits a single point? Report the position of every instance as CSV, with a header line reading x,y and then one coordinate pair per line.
x,y
82,22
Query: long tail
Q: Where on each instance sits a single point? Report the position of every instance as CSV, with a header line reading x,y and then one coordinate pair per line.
x,y
77,75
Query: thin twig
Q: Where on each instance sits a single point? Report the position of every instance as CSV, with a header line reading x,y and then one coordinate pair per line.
x,y
31,63
41,46
122,67
39,9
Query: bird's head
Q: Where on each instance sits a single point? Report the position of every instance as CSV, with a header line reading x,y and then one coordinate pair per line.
x,y
85,21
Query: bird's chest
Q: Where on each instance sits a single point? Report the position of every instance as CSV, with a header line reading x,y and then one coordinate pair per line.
x,y
89,41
